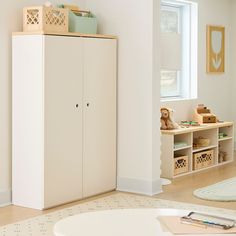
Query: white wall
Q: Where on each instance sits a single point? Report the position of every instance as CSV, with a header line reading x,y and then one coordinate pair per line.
x,y
215,91
233,58
138,89
10,20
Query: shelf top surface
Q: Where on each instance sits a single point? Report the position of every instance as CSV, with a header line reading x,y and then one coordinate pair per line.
x,y
102,36
197,128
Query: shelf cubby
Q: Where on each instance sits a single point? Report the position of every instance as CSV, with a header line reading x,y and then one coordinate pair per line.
x,y
210,134
185,152
228,131
225,148
182,139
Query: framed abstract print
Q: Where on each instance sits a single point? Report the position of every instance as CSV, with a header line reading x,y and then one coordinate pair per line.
x,y
215,49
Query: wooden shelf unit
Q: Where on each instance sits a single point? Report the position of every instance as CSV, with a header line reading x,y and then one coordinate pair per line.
x,y
187,135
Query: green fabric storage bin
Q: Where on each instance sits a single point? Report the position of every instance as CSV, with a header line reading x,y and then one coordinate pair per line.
x,y
82,24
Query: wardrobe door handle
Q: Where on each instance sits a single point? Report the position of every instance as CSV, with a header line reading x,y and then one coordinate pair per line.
x,y
88,104
77,105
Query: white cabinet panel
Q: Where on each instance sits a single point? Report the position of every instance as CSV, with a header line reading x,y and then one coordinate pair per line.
x,y
99,155
27,121
63,119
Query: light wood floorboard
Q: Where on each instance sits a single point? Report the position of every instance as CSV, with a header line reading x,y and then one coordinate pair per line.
x,y
12,214
180,190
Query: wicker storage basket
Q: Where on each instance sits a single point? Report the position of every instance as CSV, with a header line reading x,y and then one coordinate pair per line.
x,y
48,19
201,142
180,165
203,159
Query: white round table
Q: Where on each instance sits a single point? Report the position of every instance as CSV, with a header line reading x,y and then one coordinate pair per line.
x,y
123,222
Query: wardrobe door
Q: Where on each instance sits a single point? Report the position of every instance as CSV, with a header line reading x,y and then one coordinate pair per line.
x,y
63,119
99,153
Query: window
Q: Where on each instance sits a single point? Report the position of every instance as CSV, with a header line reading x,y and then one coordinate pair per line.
x,y
170,18
179,50
170,83
170,23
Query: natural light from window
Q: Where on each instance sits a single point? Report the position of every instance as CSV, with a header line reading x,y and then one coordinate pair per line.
x,y
179,50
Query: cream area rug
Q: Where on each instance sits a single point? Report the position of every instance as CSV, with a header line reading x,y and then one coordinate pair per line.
x,y
224,191
43,225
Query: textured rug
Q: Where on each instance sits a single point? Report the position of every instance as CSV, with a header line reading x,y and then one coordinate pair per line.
x,y
224,191
43,225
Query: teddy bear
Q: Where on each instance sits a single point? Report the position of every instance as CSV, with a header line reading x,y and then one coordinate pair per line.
x,y
167,121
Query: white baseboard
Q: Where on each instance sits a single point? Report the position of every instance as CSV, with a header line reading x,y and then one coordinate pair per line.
x,y
139,186
5,198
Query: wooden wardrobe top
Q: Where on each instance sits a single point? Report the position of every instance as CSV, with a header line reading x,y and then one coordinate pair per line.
x,y
66,34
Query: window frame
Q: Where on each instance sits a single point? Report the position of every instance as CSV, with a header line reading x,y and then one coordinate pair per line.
x,y
187,75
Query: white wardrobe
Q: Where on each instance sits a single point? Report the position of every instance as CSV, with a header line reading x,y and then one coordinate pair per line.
x,y
64,119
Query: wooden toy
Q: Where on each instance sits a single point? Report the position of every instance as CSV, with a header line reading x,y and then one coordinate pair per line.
x,y
203,115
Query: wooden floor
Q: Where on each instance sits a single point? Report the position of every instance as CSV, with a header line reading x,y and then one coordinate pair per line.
x,y
12,214
180,190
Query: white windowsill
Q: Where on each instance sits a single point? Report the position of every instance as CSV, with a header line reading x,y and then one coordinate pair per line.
x,y
176,99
